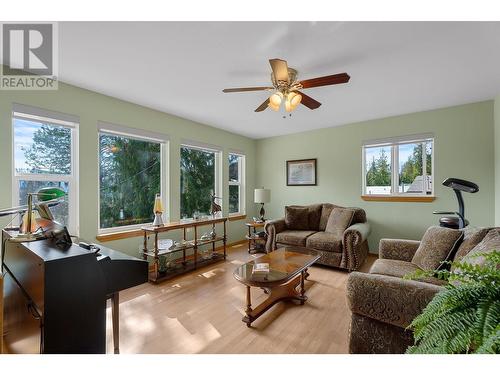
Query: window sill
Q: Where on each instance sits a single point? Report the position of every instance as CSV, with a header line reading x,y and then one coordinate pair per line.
x,y
237,217
105,237
398,198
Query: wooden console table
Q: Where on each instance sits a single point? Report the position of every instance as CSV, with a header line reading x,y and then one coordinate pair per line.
x,y
187,262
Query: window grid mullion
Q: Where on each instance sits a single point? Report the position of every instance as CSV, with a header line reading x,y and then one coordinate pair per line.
x,y
395,169
424,169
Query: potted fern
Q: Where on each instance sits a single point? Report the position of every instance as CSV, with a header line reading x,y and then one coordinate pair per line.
x,y
465,316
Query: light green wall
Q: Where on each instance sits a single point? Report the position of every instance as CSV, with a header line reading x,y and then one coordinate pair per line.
x,y
91,108
497,160
464,148
465,140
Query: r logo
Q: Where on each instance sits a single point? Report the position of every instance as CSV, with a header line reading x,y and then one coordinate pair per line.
x,y
28,49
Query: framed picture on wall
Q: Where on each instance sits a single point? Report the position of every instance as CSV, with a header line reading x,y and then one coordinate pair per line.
x,y
301,172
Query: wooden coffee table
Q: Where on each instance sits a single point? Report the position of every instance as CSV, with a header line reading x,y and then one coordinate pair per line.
x,y
287,270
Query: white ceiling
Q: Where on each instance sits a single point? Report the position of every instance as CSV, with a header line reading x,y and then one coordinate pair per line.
x,y
182,67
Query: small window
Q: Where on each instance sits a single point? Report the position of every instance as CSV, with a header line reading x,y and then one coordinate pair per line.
x,y
398,167
199,180
130,176
45,151
236,184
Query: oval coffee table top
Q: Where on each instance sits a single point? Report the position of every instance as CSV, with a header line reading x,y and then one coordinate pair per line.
x,y
284,264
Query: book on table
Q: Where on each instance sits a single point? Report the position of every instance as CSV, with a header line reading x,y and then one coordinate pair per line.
x,y
261,267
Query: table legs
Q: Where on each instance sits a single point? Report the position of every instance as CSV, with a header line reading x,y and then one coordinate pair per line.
x,y
283,292
248,310
302,289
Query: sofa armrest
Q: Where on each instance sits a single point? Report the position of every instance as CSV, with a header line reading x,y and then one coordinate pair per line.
x,y
360,230
397,249
388,299
353,245
272,228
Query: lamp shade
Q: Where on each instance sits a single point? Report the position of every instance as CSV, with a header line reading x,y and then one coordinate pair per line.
x,y
262,195
158,206
49,193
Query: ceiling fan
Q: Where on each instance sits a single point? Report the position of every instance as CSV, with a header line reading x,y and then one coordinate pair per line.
x,y
286,87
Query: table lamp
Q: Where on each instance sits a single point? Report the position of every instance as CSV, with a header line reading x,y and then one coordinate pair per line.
x,y
46,197
262,196
158,211
43,195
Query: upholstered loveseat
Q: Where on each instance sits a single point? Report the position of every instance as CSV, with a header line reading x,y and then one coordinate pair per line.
x,y
383,303
344,248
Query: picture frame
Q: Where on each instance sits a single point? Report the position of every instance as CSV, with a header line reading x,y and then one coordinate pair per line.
x,y
302,172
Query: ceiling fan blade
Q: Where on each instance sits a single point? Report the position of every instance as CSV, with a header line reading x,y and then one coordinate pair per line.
x,y
263,106
241,89
334,79
280,69
308,101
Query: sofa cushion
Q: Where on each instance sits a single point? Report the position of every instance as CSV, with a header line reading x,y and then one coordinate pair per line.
x,y
437,245
400,268
325,242
472,237
359,215
294,237
489,243
393,267
326,210
339,220
313,215
297,218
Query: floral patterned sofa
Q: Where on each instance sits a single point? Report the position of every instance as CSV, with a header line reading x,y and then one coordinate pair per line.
x,y
345,246
383,303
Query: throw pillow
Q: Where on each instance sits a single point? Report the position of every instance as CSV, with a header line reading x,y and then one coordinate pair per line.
x,y
297,218
339,220
472,237
314,216
437,245
489,243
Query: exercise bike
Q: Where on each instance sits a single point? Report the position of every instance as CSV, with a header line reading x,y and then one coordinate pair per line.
x,y
459,221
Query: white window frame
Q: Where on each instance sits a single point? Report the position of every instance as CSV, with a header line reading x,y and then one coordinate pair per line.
x,y
140,135
240,183
71,122
218,165
394,144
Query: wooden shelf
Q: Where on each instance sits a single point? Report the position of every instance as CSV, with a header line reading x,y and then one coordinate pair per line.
x,y
396,198
182,224
205,242
181,268
255,238
185,263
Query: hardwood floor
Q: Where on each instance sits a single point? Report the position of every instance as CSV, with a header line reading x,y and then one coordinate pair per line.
x,y
201,312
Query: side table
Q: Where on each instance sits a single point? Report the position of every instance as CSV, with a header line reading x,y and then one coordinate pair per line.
x,y
256,243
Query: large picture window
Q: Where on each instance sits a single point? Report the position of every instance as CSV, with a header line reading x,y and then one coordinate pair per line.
x,y
399,167
236,184
45,151
199,179
130,176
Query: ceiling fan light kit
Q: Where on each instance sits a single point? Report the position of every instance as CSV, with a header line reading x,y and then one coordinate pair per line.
x,y
286,86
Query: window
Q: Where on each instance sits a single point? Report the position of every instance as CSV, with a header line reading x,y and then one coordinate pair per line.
x,y
236,184
45,149
130,175
199,179
399,167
